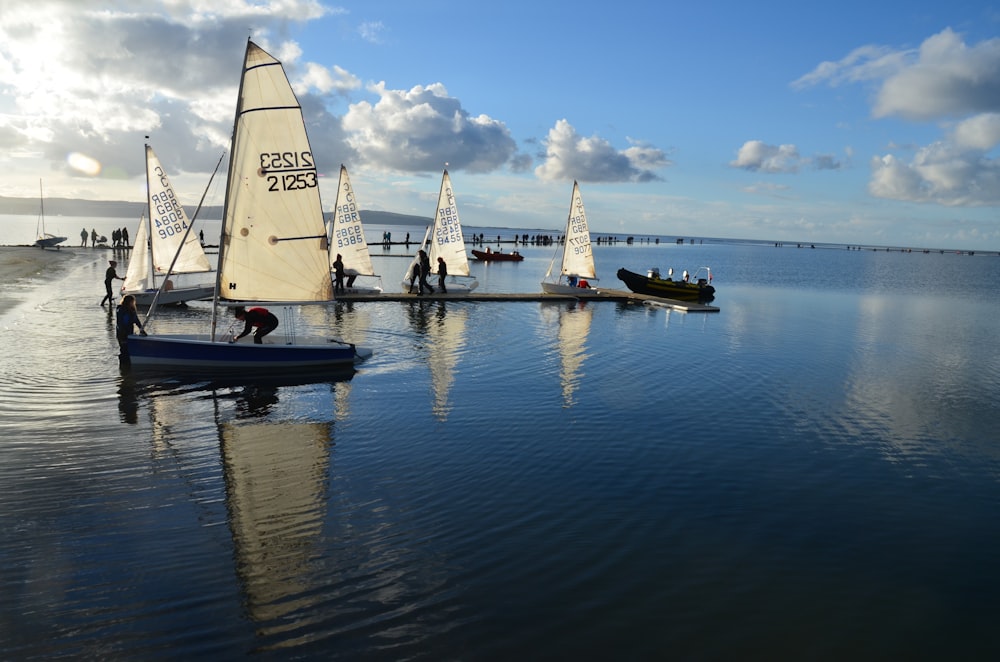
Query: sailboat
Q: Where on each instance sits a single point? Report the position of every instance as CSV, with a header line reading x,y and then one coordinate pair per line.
x,y
577,266
161,240
444,239
347,239
273,244
45,240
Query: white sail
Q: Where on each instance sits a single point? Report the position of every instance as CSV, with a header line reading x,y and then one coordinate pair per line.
x,y
274,241
446,236
578,258
347,235
139,274
169,226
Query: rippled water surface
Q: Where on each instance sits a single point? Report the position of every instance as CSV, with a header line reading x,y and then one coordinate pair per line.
x,y
811,473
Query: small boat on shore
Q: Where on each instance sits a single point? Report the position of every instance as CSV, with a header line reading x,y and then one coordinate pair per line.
x,y
688,288
45,239
489,255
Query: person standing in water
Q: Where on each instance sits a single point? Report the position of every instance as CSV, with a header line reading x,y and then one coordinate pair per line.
x,y
126,320
109,276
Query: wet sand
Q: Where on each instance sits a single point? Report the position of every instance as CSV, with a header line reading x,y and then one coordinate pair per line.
x,y
19,264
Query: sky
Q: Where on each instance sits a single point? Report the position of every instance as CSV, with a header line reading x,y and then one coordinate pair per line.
x,y
869,123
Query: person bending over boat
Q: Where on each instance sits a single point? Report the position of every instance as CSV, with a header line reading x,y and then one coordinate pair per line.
x,y
126,319
262,318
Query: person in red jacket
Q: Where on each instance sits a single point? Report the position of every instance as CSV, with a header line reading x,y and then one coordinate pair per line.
x,y
262,318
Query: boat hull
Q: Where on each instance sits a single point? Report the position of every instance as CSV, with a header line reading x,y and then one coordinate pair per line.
x,y
571,290
173,296
49,241
490,256
453,285
194,352
667,288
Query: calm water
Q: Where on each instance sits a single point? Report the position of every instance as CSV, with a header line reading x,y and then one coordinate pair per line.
x,y
811,473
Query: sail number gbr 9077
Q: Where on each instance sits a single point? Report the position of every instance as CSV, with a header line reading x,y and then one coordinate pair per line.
x,y
288,171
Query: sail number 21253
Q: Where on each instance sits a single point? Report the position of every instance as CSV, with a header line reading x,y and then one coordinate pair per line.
x,y
288,171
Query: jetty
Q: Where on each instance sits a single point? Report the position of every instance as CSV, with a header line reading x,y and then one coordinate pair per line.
x,y
601,294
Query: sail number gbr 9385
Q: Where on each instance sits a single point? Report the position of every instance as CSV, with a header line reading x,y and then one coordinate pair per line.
x,y
288,171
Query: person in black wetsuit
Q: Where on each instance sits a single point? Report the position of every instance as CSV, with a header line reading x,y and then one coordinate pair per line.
x,y
262,318
126,319
442,273
109,276
425,271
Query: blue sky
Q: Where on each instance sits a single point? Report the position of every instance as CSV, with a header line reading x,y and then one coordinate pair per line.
x,y
849,122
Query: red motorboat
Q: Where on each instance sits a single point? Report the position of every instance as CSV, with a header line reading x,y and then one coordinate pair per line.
x,y
489,255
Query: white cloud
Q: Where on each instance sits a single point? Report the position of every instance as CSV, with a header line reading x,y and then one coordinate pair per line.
x,y
945,77
371,31
570,156
939,173
758,156
420,129
981,132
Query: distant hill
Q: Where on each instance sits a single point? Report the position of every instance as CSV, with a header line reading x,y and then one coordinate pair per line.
x,y
121,209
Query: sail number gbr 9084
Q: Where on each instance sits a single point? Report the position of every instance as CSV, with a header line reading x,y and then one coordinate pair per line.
x,y
288,171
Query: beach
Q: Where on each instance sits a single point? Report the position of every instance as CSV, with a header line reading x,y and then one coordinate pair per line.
x,y
19,264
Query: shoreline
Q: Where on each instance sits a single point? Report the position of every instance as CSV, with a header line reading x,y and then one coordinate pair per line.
x,y
21,263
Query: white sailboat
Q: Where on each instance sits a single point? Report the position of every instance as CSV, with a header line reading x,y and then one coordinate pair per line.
x,y
273,245
576,268
162,240
347,239
44,240
444,239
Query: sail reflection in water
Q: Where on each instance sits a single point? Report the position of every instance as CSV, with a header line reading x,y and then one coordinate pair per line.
x,y
572,324
445,330
276,495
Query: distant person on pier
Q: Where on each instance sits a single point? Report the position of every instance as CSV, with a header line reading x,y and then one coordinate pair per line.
x,y
83,237
425,271
442,273
338,275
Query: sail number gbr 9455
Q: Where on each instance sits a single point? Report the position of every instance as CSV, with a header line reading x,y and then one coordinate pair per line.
x,y
288,171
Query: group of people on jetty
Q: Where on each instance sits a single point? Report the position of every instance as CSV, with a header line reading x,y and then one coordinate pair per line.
x,y
421,269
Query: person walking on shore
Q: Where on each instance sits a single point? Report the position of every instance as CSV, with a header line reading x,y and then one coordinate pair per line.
x,y
93,238
109,276
83,237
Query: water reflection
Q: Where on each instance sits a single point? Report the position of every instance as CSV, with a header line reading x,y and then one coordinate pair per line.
x,y
571,322
276,496
445,331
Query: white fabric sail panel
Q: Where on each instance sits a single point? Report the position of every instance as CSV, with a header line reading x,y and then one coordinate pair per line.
x,y
347,235
169,225
446,235
275,245
139,276
578,258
